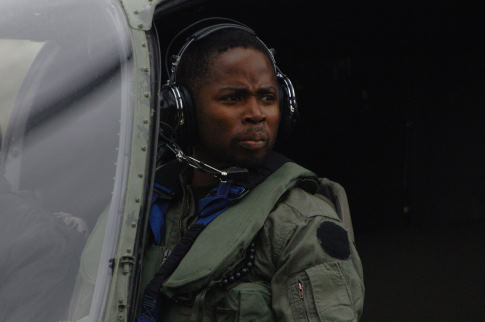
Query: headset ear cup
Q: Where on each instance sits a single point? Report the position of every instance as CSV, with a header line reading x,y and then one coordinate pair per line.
x,y
169,113
186,136
288,111
177,115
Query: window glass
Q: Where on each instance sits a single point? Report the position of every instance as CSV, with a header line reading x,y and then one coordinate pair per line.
x,y
65,89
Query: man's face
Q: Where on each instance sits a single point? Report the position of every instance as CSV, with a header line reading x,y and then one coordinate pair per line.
x,y
237,109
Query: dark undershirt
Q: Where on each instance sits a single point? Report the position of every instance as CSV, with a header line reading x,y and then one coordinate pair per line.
x,y
198,193
201,192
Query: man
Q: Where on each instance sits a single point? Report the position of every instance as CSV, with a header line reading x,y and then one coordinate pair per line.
x,y
265,245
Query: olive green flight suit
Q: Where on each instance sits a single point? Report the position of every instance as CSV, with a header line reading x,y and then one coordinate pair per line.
x,y
295,274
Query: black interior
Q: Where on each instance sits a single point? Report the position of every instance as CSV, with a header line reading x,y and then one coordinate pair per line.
x,y
391,98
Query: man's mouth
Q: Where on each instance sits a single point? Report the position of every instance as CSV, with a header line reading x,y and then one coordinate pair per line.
x,y
253,141
252,144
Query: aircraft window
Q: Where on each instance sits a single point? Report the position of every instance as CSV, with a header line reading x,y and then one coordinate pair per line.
x,y
17,56
64,95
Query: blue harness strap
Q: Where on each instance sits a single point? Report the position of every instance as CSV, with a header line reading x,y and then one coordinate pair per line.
x,y
158,211
224,196
208,208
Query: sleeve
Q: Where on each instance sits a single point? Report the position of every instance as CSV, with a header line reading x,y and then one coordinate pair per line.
x,y
317,270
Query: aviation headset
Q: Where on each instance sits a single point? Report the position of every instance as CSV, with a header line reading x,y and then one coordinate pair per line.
x,y
178,122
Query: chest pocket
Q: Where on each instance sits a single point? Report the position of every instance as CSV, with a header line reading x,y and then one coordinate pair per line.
x,y
246,302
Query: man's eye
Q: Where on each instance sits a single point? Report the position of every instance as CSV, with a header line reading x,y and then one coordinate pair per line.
x,y
268,98
231,98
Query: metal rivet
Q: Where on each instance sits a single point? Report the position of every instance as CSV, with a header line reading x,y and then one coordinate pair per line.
x,y
128,250
137,200
140,26
136,12
146,69
143,148
145,121
147,94
140,175
133,224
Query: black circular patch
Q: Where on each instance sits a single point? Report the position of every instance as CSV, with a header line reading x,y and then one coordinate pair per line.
x,y
334,240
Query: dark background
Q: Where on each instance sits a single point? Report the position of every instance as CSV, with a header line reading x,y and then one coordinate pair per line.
x,y
392,104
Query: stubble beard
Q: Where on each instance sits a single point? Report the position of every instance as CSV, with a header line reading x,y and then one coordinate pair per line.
x,y
234,156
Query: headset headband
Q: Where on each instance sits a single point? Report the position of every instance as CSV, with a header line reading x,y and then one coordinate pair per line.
x,y
204,32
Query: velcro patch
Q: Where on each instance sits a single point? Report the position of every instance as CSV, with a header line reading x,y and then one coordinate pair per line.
x,y
334,240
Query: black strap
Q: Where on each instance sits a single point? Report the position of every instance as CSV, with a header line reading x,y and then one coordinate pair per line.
x,y
171,263
168,176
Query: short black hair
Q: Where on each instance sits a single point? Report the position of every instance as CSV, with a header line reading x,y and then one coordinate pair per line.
x,y
195,63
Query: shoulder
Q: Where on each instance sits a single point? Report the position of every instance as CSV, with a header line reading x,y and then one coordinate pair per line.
x,y
298,207
305,218
301,204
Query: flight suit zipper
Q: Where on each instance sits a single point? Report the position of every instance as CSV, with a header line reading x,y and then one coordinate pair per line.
x,y
301,295
166,253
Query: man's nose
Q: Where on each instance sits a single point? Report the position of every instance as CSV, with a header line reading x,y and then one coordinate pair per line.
x,y
254,112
